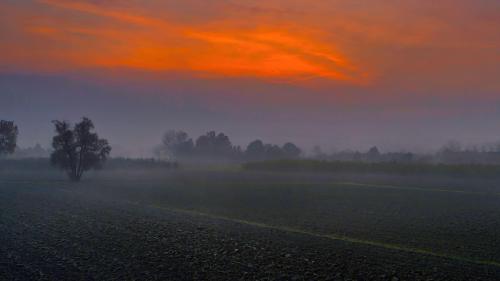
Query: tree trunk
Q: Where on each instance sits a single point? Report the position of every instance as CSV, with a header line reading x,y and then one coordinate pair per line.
x,y
73,176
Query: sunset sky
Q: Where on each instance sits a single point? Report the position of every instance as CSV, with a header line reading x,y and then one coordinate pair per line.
x,y
400,74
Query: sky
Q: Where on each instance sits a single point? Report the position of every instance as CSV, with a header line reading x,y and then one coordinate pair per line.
x,y
400,74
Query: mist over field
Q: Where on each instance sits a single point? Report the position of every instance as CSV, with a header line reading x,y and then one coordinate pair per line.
x,y
134,114
249,140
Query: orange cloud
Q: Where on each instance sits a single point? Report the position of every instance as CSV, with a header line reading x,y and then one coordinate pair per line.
x,y
404,44
124,39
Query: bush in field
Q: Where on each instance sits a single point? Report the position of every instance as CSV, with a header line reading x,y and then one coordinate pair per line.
x,y
8,137
78,149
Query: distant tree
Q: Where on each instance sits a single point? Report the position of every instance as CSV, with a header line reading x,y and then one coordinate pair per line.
x,y
176,144
214,145
8,137
273,151
255,150
452,147
237,153
223,145
36,151
78,149
356,156
373,154
290,150
451,152
317,153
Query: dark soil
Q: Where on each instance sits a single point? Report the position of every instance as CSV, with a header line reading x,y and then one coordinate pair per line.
x,y
62,234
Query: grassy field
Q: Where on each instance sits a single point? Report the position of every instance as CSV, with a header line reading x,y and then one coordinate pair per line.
x,y
443,216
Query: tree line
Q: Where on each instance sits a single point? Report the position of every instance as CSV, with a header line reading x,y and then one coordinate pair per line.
x,y
77,148
178,145
451,153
